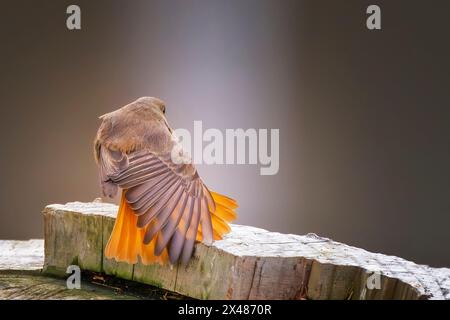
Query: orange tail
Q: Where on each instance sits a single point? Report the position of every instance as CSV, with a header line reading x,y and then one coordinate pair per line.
x,y
223,214
127,240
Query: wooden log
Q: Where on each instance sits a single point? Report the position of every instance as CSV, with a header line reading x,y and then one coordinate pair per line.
x,y
21,278
249,263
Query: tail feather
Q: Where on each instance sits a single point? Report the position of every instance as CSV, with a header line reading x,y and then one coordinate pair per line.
x,y
216,234
220,225
114,239
223,214
224,200
147,251
122,248
126,242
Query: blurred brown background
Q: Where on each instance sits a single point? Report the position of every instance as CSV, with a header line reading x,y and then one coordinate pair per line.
x,y
363,115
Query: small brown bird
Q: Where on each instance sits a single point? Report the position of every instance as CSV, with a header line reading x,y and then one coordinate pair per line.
x,y
165,206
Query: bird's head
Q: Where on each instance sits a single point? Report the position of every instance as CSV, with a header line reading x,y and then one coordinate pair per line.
x,y
151,104
149,108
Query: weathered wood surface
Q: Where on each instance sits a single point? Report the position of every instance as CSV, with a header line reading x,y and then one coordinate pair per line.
x,y
21,255
21,278
249,263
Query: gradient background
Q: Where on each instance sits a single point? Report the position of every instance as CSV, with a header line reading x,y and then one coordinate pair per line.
x,y
363,115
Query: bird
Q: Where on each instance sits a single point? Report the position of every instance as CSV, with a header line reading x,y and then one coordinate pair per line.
x,y
165,206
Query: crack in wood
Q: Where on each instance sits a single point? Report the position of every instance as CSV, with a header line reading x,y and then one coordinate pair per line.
x,y
253,278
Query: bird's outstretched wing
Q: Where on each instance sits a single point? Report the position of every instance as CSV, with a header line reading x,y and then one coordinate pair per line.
x,y
171,202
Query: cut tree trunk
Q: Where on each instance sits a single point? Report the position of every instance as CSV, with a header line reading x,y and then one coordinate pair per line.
x,y
249,263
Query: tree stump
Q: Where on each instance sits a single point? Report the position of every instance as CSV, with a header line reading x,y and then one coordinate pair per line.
x,y
249,263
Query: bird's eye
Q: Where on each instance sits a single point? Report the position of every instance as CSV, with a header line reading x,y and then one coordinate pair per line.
x,y
163,109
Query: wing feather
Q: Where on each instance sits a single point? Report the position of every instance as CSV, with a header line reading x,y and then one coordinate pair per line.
x,y
191,233
176,245
170,201
169,228
161,218
151,213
